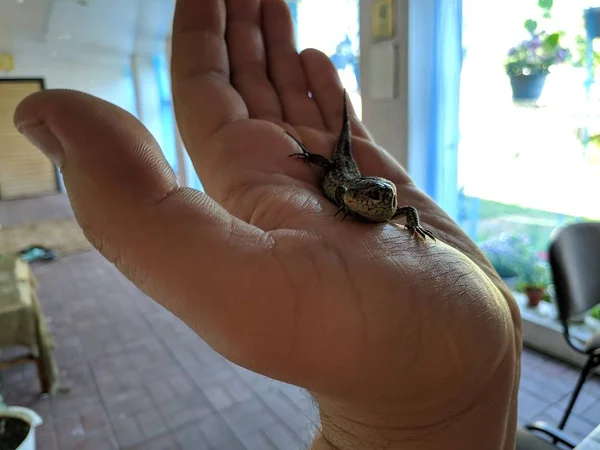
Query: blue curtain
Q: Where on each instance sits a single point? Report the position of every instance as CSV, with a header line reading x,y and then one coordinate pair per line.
x,y
435,64
168,124
167,119
293,5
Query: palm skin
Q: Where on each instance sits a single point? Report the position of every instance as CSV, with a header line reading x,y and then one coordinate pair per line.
x,y
367,313
412,339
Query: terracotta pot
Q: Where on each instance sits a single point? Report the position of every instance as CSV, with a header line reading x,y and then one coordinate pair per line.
x,y
534,296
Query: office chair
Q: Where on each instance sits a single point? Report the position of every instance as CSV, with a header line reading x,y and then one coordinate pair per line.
x,y
527,438
575,264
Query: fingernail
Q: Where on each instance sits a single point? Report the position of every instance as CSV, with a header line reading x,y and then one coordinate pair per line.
x,y
42,137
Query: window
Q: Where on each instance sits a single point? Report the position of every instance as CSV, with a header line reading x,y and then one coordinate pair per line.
x,y
339,39
524,166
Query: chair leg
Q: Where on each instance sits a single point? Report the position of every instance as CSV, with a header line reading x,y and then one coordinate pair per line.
x,y
582,377
43,376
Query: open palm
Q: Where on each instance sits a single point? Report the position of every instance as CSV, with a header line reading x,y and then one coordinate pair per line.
x,y
366,316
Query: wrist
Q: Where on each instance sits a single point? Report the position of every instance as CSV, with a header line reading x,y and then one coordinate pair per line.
x,y
472,430
488,422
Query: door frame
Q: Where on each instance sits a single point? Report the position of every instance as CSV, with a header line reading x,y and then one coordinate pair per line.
x,y
42,83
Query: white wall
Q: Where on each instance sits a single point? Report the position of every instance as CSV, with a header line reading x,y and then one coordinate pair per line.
x,y
131,83
387,120
107,77
401,125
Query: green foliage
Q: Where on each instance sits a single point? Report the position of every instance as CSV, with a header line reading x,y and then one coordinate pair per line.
x,y
512,255
507,253
535,275
536,54
531,25
579,53
540,51
546,4
595,312
551,42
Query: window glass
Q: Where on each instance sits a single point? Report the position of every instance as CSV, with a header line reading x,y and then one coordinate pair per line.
x,y
527,165
339,38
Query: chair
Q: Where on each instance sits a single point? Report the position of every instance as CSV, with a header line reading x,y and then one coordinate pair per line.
x,y
527,438
574,256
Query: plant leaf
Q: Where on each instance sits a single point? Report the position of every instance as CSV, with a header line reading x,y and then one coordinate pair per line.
x,y
551,42
530,25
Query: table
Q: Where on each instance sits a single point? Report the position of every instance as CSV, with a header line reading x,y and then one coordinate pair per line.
x,y
22,322
591,442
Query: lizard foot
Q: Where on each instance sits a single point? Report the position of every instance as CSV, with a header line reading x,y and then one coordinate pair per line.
x,y
412,221
342,209
303,154
423,232
311,158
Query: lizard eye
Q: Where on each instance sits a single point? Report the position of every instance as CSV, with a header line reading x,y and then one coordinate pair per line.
x,y
374,195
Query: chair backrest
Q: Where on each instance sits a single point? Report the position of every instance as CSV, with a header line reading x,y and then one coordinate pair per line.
x,y
574,256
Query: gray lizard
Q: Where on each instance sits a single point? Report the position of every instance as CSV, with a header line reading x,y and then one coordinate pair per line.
x,y
372,198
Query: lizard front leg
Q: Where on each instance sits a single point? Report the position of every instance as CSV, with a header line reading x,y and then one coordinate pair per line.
x,y
412,221
311,158
339,200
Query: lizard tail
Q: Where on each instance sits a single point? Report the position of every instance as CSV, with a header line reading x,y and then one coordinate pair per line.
x,y
346,121
343,149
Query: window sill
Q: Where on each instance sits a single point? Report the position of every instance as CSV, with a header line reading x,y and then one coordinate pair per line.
x,y
543,332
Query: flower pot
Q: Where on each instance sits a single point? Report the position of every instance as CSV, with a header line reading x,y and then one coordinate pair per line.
x,y
29,417
591,18
534,296
527,87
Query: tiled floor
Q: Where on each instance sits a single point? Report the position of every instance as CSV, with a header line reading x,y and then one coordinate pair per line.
x,y
141,379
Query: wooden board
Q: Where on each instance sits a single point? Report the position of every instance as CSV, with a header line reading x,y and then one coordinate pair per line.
x,y
24,170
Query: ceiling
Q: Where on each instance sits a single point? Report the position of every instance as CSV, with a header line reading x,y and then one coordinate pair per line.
x,y
121,27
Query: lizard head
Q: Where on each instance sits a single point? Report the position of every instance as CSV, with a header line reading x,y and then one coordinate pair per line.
x,y
372,198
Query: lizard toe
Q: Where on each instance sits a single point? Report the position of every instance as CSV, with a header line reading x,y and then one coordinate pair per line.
x,y
423,232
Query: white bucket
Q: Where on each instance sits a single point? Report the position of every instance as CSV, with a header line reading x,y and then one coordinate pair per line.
x,y
31,417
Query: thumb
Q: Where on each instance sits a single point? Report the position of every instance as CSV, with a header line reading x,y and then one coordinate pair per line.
x,y
176,244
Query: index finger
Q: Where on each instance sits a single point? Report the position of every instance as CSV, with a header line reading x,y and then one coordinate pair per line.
x,y
204,99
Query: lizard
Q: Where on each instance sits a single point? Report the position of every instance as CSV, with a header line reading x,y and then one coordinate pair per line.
x,y
374,199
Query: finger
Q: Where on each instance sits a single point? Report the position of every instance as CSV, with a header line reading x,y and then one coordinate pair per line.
x,y
177,245
285,67
248,60
203,97
328,92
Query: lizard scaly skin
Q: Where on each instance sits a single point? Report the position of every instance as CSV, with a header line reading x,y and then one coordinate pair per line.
x,y
372,198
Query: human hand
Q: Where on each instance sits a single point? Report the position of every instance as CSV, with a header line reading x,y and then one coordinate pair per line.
x,y
404,343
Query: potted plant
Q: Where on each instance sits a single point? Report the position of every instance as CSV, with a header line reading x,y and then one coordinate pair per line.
x,y
508,253
592,319
534,279
528,63
17,427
